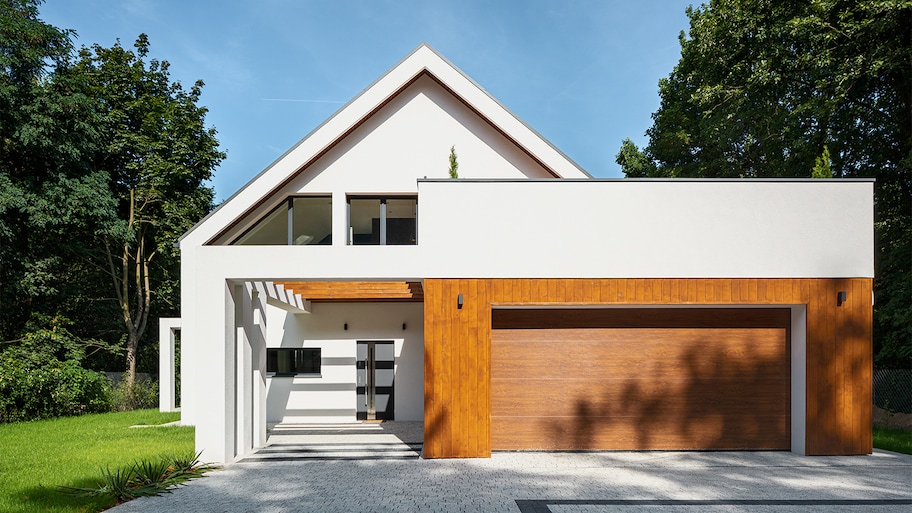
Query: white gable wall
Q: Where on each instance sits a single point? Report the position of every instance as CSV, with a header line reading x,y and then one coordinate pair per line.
x,y
419,156
408,139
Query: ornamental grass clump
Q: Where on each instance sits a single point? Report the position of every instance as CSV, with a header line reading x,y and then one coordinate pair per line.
x,y
144,478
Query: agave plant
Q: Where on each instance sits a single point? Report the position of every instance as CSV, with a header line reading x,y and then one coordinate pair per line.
x,y
145,477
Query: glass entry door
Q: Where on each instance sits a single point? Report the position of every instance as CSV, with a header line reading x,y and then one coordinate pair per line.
x,y
376,378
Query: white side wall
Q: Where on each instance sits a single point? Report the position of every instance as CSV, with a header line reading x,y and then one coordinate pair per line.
x,y
331,397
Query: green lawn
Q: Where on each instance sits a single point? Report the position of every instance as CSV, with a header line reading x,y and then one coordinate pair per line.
x,y
895,440
37,457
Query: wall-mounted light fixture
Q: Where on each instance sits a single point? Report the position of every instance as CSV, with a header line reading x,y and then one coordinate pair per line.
x,y
403,326
345,326
840,298
459,301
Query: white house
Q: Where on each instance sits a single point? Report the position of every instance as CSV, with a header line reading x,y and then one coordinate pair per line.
x,y
524,305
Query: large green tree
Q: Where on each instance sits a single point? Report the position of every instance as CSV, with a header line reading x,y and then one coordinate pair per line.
x,y
103,164
768,88
51,198
158,155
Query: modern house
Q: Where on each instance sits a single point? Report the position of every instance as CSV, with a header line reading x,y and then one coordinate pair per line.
x,y
524,305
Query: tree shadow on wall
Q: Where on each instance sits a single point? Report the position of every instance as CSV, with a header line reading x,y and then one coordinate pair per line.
x,y
710,399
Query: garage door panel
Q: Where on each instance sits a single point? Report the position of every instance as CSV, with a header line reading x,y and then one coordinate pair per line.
x,y
642,398
641,318
625,434
676,384
613,353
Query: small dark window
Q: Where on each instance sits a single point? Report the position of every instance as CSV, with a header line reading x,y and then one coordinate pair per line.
x,y
288,362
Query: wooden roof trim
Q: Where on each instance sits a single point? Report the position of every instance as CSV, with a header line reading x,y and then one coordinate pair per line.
x,y
356,290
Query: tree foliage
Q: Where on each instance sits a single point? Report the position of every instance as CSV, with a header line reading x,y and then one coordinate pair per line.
x,y
454,164
103,164
50,197
158,155
767,88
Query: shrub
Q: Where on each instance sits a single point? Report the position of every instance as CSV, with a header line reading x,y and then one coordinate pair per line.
x,y
31,392
141,395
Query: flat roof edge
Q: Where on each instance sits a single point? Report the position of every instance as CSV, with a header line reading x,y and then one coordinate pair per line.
x,y
612,180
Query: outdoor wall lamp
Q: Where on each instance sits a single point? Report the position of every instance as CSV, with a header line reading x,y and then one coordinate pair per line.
x,y
403,326
459,301
345,326
840,298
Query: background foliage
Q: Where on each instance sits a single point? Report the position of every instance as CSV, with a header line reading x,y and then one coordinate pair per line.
x,y
823,88
103,164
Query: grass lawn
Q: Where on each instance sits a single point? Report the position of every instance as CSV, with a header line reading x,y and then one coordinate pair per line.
x,y
37,457
895,440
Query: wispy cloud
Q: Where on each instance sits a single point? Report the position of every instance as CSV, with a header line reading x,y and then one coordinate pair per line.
x,y
299,100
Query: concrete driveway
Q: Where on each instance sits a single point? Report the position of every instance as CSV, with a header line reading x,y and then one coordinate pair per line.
x,y
375,467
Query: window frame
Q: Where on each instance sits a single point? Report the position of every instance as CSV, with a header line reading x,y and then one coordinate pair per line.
x,y
277,374
288,204
349,235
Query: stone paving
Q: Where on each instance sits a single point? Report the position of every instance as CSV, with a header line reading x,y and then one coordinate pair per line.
x,y
375,468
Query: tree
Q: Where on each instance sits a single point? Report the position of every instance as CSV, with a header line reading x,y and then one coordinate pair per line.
x,y
158,155
634,162
50,197
767,88
822,167
454,164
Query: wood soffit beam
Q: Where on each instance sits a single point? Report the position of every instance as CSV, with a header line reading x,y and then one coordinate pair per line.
x,y
354,291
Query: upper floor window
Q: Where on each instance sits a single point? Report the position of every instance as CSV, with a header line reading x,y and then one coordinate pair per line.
x,y
297,221
383,221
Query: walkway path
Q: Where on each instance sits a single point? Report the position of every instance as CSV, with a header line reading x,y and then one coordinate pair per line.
x,y
372,467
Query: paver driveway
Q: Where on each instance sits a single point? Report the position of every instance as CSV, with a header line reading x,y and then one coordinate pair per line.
x,y
375,467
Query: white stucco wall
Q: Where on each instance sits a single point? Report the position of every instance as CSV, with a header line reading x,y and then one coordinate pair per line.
x,y
648,229
595,229
331,397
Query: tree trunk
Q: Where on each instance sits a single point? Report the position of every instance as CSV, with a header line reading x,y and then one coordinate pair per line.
x,y
139,294
132,346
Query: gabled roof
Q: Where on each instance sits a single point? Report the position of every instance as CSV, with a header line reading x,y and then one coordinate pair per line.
x,y
420,62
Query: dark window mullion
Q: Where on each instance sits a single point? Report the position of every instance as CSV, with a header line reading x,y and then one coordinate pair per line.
x,y
290,221
383,222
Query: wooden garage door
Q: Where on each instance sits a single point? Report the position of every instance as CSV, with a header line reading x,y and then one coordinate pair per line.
x,y
623,379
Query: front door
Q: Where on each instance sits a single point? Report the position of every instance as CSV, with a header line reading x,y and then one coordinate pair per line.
x,y
375,379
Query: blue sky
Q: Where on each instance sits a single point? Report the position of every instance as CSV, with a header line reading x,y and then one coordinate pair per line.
x,y
583,73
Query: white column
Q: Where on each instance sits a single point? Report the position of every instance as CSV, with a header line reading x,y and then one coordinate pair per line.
x,y
258,371
246,332
166,379
799,378
215,377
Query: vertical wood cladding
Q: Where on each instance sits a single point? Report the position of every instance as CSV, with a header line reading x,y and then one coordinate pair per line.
x,y
458,347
